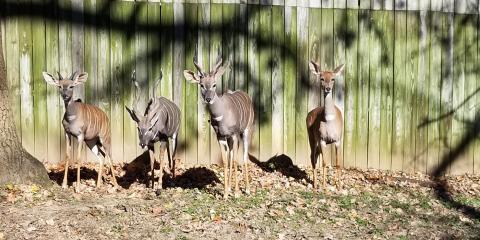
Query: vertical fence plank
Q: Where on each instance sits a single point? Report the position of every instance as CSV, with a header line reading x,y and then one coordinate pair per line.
x,y
350,73
399,106
362,90
26,82
476,163
215,51
130,137
39,88
90,58
411,62
204,141
291,82
422,89
315,54
117,84
446,104
228,25
302,150
265,82
375,90
54,105
178,67
387,85
191,97
65,56
340,44
471,69
141,51
435,85
277,79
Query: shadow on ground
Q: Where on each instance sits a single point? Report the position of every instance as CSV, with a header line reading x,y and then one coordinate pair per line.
x,y
283,164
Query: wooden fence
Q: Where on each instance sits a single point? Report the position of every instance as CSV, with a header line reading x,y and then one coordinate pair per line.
x,y
409,91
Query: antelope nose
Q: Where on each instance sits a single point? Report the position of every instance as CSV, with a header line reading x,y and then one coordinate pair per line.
x,y
328,89
142,145
208,99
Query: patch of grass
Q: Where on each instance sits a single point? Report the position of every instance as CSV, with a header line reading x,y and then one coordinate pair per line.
x,y
469,201
397,204
166,229
361,221
346,202
182,237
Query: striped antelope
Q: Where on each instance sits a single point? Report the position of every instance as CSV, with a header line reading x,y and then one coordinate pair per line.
x,y
325,123
231,116
159,123
85,122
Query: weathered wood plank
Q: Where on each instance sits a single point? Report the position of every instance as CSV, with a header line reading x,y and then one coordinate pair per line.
x,y
446,102
141,61
90,59
54,105
375,90
361,149
228,25
458,125
39,87
315,54
471,69
26,82
278,79
412,52
435,86
191,98
340,46
476,156
203,124
399,104
422,89
216,20
118,81
301,148
265,83
350,74
178,67
387,84
290,83
130,137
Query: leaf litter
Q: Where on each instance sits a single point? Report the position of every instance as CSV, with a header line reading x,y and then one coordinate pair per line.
x,y
369,204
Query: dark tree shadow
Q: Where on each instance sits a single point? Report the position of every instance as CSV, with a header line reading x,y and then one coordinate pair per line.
x,y
283,164
85,174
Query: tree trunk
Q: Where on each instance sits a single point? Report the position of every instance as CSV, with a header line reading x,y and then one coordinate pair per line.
x,y
16,164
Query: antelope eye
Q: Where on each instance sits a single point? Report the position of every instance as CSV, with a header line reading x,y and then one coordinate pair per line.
x,y
201,85
214,85
70,87
333,79
322,79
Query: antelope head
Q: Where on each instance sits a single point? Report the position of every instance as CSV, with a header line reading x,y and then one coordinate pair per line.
x,y
327,78
66,86
206,80
146,124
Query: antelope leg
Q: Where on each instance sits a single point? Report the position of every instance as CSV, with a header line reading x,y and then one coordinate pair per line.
x,y
67,160
246,138
162,164
96,151
151,151
224,150
337,162
79,161
314,158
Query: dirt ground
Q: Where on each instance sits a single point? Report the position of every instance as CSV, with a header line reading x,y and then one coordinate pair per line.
x,y
366,204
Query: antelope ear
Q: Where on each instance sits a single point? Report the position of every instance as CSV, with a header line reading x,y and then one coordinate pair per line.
x,y
80,78
315,68
191,76
50,79
339,69
133,115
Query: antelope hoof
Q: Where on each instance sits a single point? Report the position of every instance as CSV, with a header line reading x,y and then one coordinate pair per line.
x,y
77,187
247,191
64,185
99,183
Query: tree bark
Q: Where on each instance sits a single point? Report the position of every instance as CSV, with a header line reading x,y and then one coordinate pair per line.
x,y
16,165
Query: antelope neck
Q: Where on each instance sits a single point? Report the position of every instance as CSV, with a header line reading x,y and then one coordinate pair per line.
x,y
329,105
217,108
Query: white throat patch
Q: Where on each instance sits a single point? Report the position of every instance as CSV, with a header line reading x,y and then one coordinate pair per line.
x,y
218,119
329,117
